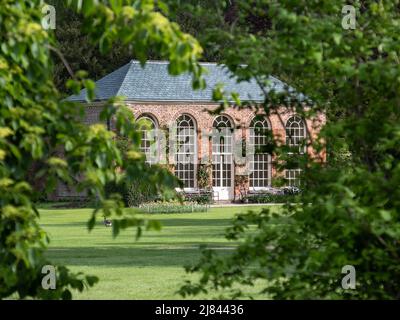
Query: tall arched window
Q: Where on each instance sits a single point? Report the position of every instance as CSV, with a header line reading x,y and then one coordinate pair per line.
x,y
186,155
260,163
295,132
149,143
295,137
222,141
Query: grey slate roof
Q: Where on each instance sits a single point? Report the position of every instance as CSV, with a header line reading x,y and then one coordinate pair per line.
x,y
154,83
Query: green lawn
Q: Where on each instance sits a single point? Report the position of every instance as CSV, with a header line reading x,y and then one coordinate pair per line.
x,y
151,268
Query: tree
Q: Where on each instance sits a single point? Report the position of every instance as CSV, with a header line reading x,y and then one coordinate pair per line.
x,y
349,212
80,52
36,127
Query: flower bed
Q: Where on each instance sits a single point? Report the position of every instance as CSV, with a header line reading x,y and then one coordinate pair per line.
x,y
172,207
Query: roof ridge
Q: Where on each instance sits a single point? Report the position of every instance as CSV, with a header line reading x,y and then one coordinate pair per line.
x,y
166,62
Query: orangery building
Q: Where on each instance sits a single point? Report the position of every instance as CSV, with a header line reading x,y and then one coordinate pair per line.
x,y
182,117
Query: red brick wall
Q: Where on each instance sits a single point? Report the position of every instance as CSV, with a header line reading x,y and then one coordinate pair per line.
x,y
92,114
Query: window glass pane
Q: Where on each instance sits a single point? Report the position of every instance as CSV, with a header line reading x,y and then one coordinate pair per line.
x,y
149,143
186,152
295,132
293,177
222,151
260,165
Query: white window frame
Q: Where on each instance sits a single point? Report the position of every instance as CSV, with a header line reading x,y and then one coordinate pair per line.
x,y
290,175
150,159
263,124
293,140
222,121
183,152
300,133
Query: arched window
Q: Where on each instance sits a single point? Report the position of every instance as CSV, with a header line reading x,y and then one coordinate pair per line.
x,y
222,122
222,152
295,137
186,152
295,132
260,163
149,143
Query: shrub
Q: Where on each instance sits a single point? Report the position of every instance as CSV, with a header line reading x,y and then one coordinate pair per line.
x,y
205,197
136,194
133,194
269,198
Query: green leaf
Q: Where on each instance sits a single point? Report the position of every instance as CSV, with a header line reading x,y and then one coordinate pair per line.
x,y
90,87
386,215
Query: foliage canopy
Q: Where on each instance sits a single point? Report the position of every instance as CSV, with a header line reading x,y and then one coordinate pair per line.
x,y
351,209
37,129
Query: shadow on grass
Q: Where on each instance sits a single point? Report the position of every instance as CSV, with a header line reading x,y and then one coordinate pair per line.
x,y
195,222
155,254
200,222
66,225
